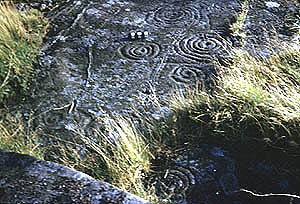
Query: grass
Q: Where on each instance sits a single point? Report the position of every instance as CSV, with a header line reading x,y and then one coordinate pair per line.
x,y
16,137
237,27
255,100
119,154
21,35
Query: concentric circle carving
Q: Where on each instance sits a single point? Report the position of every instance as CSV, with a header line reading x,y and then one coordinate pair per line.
x,y
139,50
201,173
176,181
170,16
203,47
190,73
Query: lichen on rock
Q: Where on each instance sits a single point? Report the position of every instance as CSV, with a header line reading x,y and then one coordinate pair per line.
x,y
25,179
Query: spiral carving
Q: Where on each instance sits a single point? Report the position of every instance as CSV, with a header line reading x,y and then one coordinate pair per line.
x,y
170,16
175,181
203,47
139,50
198,173
188,73
53,119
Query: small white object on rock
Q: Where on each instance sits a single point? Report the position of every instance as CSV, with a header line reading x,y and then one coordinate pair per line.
x,y
132,36
139,35
146,34
272,4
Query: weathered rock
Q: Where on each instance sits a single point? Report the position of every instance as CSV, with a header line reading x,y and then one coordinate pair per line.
x,y
25,179
197,176
89,63
208,174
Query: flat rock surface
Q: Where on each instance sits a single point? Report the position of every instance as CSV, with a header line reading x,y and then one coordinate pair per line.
x,y
25,179
89,65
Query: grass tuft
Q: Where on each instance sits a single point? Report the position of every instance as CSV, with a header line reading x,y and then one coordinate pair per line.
x,y
237,27
17,137
118,154
255,106
21,35
254,100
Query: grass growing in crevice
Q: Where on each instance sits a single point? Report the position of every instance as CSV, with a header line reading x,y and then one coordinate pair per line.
x,y
21,35
254,101
237,27
119,154
17,137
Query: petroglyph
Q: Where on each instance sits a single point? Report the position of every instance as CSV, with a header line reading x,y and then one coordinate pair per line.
x,y
109,55
191,73
139,50
174,16
195,170
176,180
204,47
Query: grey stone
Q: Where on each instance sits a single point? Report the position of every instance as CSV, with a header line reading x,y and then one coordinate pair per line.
x,y
211,175
88,58
25,179
200,175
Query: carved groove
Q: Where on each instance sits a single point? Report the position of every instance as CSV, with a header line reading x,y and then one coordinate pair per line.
x,y
195,173
203,47
139,50
169,16
191,73
177,180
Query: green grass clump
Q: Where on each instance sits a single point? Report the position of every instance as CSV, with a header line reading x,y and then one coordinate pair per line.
x,y
118,154
237,27
17,137
255,101
21,35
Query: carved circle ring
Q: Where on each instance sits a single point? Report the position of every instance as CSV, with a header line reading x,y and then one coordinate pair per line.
x,y
187,73
202,47
139,50
168,16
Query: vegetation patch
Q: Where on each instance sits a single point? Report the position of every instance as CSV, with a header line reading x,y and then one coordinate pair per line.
x,y
255,107
21,35
255,101
120,154
17,137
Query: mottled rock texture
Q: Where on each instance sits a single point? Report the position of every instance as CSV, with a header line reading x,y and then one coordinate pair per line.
x,y
211,175
88,62
25,179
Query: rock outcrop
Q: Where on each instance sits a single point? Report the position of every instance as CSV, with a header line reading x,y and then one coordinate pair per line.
x,y
89,66
25,179
211,175
89,63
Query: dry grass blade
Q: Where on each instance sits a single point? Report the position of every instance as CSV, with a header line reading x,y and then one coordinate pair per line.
x,y
21,34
